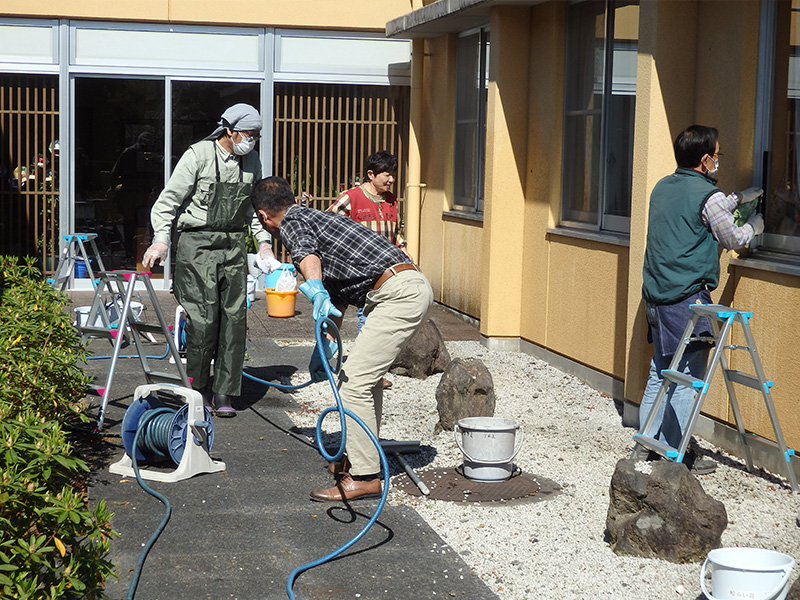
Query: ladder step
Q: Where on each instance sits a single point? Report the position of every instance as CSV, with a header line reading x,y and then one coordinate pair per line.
x,y
718,312
95,390
683,379
146,327
164,377
103,332
656,446
746,380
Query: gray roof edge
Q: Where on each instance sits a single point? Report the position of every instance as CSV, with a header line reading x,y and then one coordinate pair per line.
x,y
405,24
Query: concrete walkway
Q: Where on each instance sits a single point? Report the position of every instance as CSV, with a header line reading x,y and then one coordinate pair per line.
x,y
240,533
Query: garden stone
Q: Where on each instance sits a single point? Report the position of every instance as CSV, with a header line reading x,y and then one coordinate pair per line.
x,y
465,390
423,355
662,514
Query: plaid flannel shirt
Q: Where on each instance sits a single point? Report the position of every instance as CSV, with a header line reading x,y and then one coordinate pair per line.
x,y
352,256
718,215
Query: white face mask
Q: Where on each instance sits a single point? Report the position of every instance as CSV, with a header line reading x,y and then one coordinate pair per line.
x,y
244,146
712,172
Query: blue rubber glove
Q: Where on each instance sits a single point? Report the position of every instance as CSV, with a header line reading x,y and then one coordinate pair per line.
x,y
320,298
315,367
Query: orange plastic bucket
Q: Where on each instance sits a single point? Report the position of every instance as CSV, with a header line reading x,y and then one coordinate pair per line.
x,y
280,304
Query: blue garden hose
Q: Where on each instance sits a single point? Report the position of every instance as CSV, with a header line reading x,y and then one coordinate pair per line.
x,y
335,332
321,324
167,506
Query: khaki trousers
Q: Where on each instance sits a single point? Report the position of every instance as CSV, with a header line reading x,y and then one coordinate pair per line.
x,y
394,313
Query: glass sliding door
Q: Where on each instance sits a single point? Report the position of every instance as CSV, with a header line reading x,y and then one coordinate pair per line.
x,y
119,163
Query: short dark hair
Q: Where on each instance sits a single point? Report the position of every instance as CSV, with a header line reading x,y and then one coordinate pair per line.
x,y
381,162
272,194
693,143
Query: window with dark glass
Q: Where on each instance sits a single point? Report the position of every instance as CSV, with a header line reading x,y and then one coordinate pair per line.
x,y
781,156
472,80
600,101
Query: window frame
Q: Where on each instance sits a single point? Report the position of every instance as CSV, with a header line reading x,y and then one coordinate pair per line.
x,y
599,219
472,204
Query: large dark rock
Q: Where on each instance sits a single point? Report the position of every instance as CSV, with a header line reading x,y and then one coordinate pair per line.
x,y
664,514
423,355
465,390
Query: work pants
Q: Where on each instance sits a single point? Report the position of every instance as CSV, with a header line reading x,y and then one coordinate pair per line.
x,y
394,313
673,415
211,285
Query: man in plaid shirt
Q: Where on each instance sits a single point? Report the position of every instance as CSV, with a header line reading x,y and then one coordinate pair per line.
x,y
346,263
690,218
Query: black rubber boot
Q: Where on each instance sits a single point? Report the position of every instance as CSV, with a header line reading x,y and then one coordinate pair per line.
x,y
222,406
207,398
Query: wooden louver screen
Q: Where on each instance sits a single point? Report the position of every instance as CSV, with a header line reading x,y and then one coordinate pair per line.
x,y
29,167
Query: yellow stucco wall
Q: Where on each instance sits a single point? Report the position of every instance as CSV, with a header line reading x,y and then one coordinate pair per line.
x,y
323,14
507,137
578,296
543,188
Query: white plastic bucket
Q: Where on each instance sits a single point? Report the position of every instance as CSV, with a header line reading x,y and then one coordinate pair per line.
x,y
747,573
489,445
82,315
113,311
251,288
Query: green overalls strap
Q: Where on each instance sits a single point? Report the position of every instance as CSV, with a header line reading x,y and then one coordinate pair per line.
x,y
211,285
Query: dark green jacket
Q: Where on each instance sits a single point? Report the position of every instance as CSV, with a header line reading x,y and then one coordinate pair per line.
x,y
682,255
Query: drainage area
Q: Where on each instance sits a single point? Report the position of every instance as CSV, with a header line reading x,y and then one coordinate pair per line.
x,y
449,484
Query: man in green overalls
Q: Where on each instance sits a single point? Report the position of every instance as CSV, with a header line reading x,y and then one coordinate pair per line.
x,y
208,194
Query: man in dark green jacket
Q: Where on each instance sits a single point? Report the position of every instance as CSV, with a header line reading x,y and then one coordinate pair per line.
x,y
690,218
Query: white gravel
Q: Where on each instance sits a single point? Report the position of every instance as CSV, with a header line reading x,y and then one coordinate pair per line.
x,y
573,436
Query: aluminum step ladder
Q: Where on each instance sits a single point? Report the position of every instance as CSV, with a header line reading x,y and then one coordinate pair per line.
x,y
76,252
722,319
121,284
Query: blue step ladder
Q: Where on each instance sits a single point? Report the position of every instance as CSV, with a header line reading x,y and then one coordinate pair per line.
x,y
75,252
121,284
722,319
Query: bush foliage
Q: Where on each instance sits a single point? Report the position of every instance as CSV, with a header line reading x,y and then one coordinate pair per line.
x,y
51,544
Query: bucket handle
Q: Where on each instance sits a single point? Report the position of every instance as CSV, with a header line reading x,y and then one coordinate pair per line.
x,y
770,596
489,462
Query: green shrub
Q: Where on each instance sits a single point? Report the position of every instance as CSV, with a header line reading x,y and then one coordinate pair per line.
x,y
51,544
39,349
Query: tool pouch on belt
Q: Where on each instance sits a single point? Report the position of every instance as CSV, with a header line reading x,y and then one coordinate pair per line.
x,y
228,203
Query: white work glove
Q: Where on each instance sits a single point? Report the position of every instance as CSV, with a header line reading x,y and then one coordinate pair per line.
x,y
756,221
156,252
265,259
750,195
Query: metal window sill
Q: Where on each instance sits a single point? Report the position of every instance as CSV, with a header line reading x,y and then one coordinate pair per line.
x,y
772,262
604,237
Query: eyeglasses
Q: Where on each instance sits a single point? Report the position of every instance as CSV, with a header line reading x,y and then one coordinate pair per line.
x,y
250,134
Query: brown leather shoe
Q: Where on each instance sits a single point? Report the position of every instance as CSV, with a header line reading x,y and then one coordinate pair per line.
x,y
387,385
349,489
339,467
